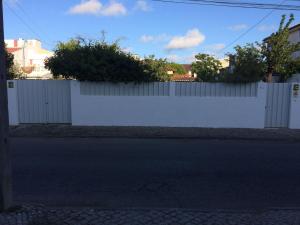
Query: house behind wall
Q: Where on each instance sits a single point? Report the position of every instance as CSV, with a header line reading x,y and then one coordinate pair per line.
x,y
29,56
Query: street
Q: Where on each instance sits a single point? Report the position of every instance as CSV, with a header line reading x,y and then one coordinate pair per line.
x,y
158,173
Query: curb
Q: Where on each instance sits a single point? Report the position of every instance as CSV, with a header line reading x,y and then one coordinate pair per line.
x,y
65,131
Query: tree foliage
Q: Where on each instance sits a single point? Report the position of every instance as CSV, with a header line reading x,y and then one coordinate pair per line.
x,y
278,51
207,68
97,61
177,68
11,69
158,68
161,67
254,62
247,64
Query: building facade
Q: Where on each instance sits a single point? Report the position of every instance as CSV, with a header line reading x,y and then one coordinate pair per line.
x,y
30,57
295,38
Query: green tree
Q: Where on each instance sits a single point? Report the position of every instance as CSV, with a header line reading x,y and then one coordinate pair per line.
x,y
247,64
292,68
278,52
207,68
11,69
158,68
87,60
177,68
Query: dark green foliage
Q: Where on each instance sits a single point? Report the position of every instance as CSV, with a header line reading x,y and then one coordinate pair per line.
x,y
10,70
177,68
247,65
97,61
158,68
292,67
278,51
256,62
207,68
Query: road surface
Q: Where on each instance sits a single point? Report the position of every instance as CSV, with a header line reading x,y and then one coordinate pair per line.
x,y
160,173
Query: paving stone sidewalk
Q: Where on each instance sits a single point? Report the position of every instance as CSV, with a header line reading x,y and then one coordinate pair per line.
x,y
42,216
63,131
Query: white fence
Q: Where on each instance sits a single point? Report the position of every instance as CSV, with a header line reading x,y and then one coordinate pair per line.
x,y
121,89
216,89
152,104
169,89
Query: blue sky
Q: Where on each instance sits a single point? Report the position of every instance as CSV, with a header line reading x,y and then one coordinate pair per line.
x,y
144,27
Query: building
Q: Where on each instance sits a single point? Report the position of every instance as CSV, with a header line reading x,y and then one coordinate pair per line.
x,y
29,56
225,62
295,38
188,68
189,76
182,78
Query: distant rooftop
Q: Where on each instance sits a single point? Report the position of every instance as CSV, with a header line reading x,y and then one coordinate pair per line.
x,y
294,28
187,67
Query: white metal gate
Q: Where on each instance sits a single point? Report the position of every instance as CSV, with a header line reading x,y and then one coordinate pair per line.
x,y
44,101
278,105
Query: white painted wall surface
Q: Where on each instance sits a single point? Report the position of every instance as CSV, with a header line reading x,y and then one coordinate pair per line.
x,y
295,110
168,111
13,104
294,36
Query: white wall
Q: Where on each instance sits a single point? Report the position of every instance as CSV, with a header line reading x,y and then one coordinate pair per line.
x,y
295,109
168,111
294,37
13,104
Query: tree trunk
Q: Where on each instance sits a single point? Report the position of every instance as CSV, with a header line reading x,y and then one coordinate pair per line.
x,y
270,77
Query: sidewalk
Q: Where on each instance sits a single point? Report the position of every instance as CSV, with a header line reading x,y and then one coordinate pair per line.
x,y
67,131
90,216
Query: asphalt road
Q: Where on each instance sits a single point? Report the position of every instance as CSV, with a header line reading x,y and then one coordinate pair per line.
x,y
160,173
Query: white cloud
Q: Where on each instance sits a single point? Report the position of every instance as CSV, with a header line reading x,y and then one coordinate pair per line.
x,y
114,9
87,7
191,39
153,38
95,7
173,58
127,49
142,5
266,28
238,27
181,59
215,47
215,50
147,38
